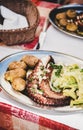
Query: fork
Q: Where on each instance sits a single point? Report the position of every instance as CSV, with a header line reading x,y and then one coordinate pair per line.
x,y
43,34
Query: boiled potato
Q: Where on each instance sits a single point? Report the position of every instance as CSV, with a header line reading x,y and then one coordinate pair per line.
x,y
30,60
19,84
63,22
10,75
71,27
61,15
17,64
71,13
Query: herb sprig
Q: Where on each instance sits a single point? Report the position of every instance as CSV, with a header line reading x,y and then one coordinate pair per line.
x,y
58,67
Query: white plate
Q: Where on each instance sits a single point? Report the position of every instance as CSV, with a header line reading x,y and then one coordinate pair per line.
x,y
59,57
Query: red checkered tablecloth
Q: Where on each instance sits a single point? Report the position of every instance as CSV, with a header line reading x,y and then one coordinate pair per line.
x,y
12,118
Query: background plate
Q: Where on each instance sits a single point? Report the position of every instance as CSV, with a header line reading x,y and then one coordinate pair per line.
x,y
58,57
52,18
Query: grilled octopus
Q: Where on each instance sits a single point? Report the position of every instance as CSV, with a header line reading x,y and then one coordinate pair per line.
x,y
38,86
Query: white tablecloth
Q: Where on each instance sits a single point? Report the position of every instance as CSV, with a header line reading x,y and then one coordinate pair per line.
x,y
58,41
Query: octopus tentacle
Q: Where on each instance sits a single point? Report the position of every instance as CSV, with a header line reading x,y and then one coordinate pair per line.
x,y
38,86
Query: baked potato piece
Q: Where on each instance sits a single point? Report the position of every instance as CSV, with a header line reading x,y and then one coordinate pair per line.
x,y
30,60
11,74
18,84
61,16
17,64
63,22
71,13
71,27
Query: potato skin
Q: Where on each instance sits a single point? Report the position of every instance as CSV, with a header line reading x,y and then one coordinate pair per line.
x,y
18,84
11,74
17,71
71,27
17,64
61,16
30,60
63,22
71,13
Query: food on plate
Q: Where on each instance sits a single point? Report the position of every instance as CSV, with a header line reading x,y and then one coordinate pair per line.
x,y
18,84
63,22
79,22
71,27
17,70
69,80
80,33
30,60
38,85
61,15
49,83
71,13
70,20
11,74
17,64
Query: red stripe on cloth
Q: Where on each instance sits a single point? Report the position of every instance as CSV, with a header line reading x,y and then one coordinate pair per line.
x,y
30,45
6,121
8,109
2,128
53,124
17,112
5,108
49,5
42,20
5,117
25,115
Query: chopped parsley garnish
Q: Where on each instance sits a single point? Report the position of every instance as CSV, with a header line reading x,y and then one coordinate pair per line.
x,y
42,67
58,67
81,70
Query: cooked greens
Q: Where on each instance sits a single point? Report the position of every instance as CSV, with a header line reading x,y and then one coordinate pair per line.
x,y
69,81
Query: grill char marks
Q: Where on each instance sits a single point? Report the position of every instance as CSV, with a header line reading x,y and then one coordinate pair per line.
x,y
40,99
48,92
39,89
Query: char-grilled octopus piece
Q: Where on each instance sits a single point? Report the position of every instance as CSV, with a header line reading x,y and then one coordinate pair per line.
x,y
38,88
58,98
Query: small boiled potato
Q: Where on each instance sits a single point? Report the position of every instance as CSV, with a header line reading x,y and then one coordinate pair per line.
x,y
61,15
63,22
11,74
71,13
71,27
30,60
17,64
19,84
